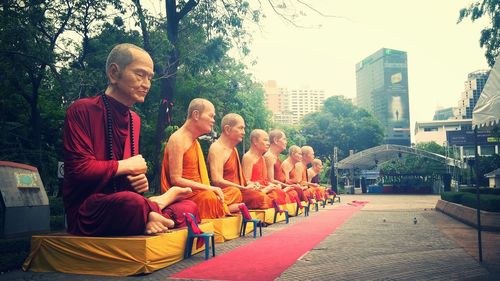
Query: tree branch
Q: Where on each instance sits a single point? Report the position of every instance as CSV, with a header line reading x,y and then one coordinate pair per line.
x,y
44,62
320,13
186,9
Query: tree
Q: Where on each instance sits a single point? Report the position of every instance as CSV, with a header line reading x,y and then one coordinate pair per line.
x,y
341,124
490,36
222,24
32,54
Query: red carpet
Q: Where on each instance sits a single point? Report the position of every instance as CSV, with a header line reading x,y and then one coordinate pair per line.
x,y
269,256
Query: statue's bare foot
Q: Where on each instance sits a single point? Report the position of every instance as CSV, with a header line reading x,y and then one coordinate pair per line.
x,y
180,191
169,197
157,224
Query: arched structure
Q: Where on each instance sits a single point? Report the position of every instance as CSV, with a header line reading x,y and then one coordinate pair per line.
x,y
370,158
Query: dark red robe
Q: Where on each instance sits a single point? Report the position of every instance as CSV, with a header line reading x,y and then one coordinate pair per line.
x,y
92,206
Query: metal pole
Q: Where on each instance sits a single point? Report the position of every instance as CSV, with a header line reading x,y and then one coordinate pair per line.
x,y
478,201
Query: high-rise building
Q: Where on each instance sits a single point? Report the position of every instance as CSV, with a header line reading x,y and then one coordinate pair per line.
x,y
446,114
382,89
289,106
473,88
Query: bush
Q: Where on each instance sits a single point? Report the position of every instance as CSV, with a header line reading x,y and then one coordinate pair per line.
x,y
455,197
482,190
487,202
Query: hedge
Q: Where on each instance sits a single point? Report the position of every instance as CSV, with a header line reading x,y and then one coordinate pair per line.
x,y
488,202
482,190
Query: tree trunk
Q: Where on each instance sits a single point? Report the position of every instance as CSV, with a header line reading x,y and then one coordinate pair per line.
x,y
167,89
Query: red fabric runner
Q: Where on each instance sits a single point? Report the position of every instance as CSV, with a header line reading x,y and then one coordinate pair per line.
x,y
269,256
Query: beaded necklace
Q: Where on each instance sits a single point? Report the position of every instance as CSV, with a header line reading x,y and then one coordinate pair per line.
x,y
109,133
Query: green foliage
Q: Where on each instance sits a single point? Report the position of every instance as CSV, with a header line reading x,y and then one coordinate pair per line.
x,y
451,196
341,124
484,165
488,202
490,35
482,190
409,164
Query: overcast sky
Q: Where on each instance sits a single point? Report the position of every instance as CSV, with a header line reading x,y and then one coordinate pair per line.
x,y
440,52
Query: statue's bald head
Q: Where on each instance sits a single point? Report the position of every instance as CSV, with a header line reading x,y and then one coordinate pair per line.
x,y
306,149
231,120
198,104
317,162
256,134
293,149
122,55
275,135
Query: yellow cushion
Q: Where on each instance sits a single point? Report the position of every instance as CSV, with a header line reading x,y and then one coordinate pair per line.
x,y
115,256
267,215
228,228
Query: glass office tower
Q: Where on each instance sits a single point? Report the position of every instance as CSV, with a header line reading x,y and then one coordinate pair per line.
x,y
382,89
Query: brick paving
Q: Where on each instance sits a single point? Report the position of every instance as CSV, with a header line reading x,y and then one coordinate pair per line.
x,y
379,242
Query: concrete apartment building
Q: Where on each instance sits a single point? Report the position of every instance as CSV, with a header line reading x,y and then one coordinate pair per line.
x,y
290,105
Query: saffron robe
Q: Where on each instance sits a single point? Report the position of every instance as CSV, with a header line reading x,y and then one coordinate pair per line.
x,y
279,175
311,191
303,194
92,205
194,168
253,199
321,189
259,174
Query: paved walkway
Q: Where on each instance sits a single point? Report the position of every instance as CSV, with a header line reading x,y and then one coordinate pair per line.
x,y
379,242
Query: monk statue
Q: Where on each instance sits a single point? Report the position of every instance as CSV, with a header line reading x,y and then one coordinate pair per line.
x,y
314,170
313,175
290,171
301,168
184,164
275,174
255,169
104,172
225,165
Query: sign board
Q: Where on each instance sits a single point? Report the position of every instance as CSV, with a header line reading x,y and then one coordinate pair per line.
x,y
466,138
26,180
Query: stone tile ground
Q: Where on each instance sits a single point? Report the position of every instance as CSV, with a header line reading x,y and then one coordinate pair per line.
x,y
368,248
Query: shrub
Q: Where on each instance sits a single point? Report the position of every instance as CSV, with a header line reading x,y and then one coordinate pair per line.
x,y
487,202
482,190
455,197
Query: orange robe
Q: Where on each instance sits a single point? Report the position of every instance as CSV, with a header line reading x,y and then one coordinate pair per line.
x,y
259,171
313,191
303,194
254,199
280,176
195,169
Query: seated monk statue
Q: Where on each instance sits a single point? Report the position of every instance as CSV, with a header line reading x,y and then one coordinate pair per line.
x,y
255,169
225,166
104,173
313,174
275,174
291,175
184,164
301,167
314,170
